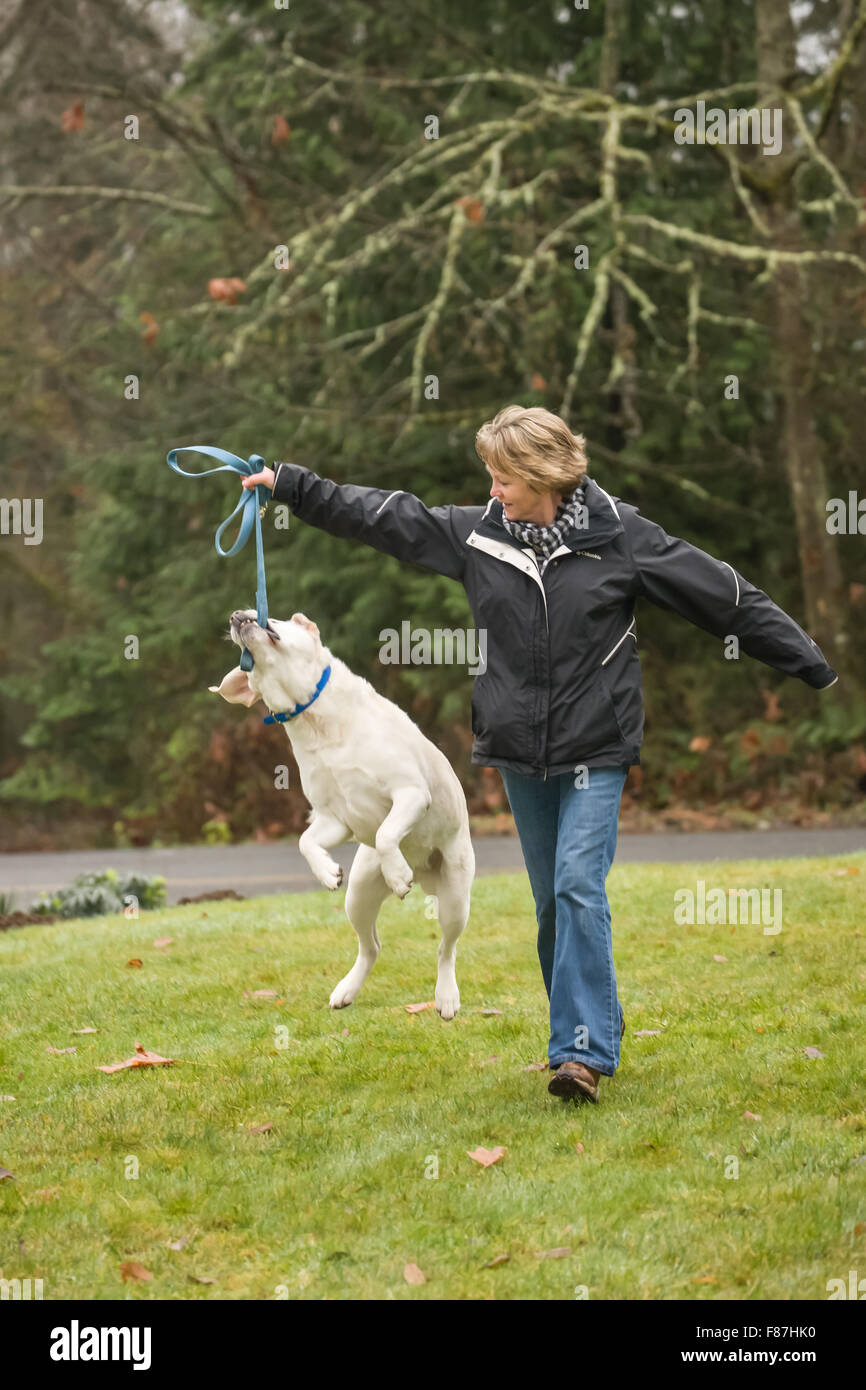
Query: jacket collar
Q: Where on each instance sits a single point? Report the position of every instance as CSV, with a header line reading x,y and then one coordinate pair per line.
x,y
603,517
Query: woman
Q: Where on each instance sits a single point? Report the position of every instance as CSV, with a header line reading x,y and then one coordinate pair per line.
x,y
552,568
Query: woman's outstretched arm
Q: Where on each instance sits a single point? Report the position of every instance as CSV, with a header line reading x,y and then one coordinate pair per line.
x,y
395,522
714,596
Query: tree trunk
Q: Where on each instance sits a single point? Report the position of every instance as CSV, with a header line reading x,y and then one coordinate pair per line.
x,y
823,589
624,418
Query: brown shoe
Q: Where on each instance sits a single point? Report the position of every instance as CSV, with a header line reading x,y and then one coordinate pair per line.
x,y
574,1081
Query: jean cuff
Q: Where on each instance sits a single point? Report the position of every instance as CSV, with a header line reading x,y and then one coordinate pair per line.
x,y
584,1061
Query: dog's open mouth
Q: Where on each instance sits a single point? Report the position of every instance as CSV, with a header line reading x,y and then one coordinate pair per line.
x,y
240,622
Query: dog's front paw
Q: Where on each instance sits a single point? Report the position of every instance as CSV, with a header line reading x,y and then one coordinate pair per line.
x,y
330,875
400,882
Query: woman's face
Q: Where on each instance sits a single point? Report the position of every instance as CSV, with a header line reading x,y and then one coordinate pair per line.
x,y
520,502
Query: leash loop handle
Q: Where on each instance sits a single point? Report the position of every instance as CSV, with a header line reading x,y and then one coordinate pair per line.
x,y
250,506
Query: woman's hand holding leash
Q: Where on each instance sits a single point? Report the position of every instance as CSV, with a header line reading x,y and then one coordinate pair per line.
x,y
265,478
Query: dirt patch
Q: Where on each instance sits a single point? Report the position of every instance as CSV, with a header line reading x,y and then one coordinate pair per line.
x,y
26,919
216,897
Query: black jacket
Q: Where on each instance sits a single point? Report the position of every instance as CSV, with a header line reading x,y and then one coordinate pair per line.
x,y
562,685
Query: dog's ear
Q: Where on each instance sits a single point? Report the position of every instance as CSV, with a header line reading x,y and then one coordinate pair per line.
x,y
236,688
307,623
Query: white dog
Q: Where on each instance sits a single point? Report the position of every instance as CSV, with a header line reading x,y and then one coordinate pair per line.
x,y
370,775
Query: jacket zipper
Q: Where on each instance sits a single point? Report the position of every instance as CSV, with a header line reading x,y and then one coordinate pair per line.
x,y
547,629
530,568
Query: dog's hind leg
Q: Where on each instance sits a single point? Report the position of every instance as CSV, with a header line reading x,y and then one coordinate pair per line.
x,y
366,892
451,886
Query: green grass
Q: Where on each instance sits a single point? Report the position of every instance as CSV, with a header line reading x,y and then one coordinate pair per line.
x,y
333,1202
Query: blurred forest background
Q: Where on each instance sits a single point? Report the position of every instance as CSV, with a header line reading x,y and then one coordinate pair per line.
x,y
305,127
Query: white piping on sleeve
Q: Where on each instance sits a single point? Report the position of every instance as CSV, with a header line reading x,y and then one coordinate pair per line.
x,y
388,499
736,581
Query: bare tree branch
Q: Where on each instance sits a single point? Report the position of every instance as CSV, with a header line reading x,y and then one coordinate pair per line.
x,y
39,190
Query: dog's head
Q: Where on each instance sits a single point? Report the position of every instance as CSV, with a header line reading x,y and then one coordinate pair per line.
x,y
288,659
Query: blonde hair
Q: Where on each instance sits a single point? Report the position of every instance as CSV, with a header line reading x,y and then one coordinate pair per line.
x,y
534,445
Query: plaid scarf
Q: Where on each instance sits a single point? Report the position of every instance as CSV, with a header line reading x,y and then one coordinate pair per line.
x,y
544,540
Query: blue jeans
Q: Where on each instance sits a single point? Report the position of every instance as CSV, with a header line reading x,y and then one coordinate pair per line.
x,y
568,838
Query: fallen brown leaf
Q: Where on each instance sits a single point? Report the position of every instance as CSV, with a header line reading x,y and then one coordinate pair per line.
x,y
413,1275
134,964
416,1008
487,1156
142,1058
85,1030
4,1173
200,1279
720,958
262,1129
131,1269
750,1115
558,1254
164,941
489,1013
536,1066
814,1052
497,1260
60,1051
703,1279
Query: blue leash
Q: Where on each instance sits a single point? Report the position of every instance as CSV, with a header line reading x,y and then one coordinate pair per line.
x,y
252,508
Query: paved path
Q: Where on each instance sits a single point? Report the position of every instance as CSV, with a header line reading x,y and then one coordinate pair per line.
x,y
279,868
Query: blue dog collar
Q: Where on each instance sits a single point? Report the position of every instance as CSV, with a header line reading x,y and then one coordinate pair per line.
x,y
299,709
